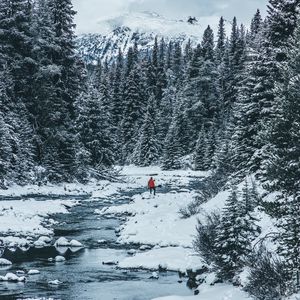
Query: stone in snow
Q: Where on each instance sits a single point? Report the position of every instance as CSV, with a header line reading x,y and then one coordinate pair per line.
x,y
55,282
102,241
131,252
145,247
5,262
59,258
33,272
110,263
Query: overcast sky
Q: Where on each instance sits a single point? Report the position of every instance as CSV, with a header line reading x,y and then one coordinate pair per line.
x,y
90,12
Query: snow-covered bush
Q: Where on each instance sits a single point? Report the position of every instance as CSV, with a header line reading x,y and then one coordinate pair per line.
x,y
206,236
269,278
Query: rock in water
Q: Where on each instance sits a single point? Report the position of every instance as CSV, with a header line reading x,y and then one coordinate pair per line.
x,y
55,282
5,262
62,242
59,258
33,272
75,243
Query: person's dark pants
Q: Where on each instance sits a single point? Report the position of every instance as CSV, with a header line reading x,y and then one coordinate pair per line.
x,y
152,189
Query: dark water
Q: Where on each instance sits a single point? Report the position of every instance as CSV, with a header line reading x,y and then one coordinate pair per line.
x,y
83,275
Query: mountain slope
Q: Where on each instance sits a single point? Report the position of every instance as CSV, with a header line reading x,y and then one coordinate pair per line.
x,y
123,31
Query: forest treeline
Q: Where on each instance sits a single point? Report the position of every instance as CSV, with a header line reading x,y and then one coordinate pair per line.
x,y
230,104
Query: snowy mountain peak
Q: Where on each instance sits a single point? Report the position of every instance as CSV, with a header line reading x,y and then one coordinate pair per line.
x,y
151,22
122,31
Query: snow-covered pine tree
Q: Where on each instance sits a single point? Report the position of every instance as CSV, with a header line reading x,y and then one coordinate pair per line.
x,y
93,124
282,165
132,113
171,150
221,43
236,232
149,147
59,140
289,239
281,22
5,152
117,90
255,28
199,154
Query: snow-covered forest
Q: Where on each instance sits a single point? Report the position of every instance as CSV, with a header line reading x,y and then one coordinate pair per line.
x,y
227,109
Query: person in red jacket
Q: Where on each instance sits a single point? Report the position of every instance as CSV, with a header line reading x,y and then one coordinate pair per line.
x,y
151,185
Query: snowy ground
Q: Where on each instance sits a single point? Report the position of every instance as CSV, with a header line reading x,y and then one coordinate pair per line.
x,y
24,221
154,223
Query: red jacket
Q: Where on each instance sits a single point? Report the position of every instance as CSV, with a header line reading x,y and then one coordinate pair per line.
x,y
151,184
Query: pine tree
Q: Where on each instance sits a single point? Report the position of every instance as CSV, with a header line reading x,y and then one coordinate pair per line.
x,y
289,238
148,143
94,128
5,152
221,43
236,232
281,21
132,113
171,153
256,26
117,87
282,166
59,139
199,154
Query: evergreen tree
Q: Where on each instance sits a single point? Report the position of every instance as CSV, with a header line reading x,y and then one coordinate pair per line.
x,y
199,154
282,165
221,43
281,21
131,114
94,128
148,143
171,153
236,232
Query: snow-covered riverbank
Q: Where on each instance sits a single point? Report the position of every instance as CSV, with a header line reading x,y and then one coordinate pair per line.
x,y
154,223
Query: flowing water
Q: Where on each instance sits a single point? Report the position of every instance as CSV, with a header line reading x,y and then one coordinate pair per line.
x,y
83,274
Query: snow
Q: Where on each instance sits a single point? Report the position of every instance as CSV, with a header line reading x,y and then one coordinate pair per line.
x,y
5,262
156,221
22,221
33,272
74,243
154,275
216,292
59,258
63,242
170,258
12,277
154,224
55,282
